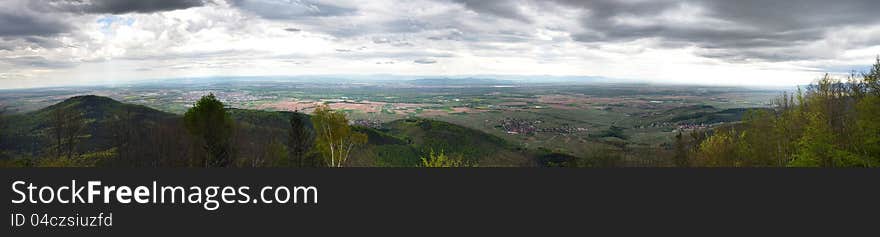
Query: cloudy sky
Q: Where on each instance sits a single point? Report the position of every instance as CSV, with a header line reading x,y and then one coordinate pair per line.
x,y
745,42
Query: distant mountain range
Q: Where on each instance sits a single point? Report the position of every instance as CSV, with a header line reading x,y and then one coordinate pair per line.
x,y
458,82
416,80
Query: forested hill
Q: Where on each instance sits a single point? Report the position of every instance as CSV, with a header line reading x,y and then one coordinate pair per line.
x,y
93,119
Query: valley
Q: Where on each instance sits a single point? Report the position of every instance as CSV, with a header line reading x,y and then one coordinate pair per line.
x,y
576,118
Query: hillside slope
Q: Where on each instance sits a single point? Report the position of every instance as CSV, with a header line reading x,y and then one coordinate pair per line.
x,y
703,114
472,145
29,133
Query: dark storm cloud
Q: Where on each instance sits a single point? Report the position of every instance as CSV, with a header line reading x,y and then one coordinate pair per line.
x,y
291,9
122,6
504,9
796,14
48,18
23,22
750,25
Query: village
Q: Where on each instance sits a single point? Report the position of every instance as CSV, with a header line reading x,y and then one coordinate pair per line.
x,y
515,126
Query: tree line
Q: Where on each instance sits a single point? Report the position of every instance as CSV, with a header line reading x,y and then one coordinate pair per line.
x,y
832,122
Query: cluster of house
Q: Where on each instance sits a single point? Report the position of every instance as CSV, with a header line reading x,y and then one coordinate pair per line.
x,y
693,126
563,130
527,126
370,123
655,125
519,126
678,126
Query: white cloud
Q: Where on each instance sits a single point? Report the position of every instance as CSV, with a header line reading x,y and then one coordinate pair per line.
x,y
418,37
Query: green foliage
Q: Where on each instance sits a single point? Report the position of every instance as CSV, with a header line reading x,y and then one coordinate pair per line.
x,y
472,145
681,154
604,157
211,124
385,150
299,140
834,123
612,131
276,154
334,137
92,159
16,162
441,160
815,148
718,150
872,78
704,114
869,126
87,125
66,130
757,141
391,155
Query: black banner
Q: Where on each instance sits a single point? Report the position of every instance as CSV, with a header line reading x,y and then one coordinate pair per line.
x,y
452,201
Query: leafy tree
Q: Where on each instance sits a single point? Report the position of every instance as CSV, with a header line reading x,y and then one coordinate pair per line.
x,y
869,127
872,78
209,122
815,148
868,111
833,123
788,124
719,150
276,154
756,145
681,156
299,141
67,124
334,137
126,139
441,160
